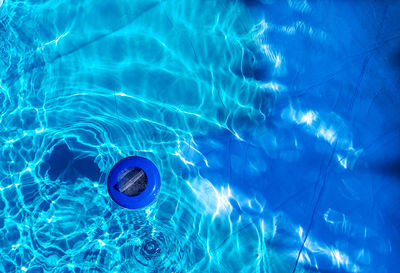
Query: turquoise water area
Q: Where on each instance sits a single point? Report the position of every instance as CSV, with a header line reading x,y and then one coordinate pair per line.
x,y
273,124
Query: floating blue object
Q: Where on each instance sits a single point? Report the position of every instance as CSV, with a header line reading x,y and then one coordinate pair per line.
x,y
134,182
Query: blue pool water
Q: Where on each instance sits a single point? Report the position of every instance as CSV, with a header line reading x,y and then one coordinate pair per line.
x,y
275,126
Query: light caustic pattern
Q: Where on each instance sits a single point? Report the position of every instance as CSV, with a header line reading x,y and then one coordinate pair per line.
x,y
86,84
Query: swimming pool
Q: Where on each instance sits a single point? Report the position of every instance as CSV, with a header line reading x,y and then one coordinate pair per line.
x,y
274,125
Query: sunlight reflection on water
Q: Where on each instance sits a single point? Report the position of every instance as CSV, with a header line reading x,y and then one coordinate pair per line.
x,y
254,147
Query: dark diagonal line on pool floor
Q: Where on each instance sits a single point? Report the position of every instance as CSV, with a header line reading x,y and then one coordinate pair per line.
x,y
366,62
316,205
105,35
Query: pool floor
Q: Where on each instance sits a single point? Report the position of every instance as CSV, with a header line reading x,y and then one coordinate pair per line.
x,y
275,126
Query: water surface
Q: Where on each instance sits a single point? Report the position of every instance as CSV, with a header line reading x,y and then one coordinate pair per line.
x,y
274,126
